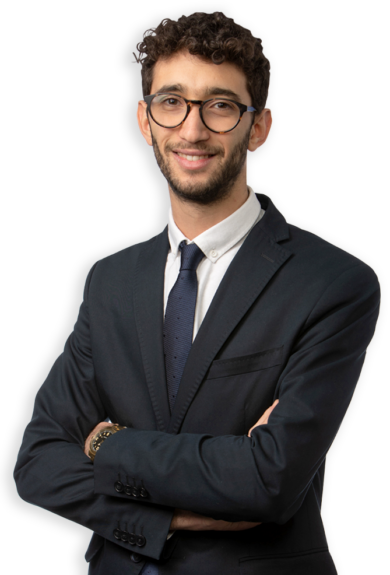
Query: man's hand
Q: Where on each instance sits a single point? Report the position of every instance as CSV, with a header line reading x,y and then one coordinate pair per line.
x,y
95,430
264,418
187,520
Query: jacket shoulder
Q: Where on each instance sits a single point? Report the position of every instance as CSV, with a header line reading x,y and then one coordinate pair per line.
x,y
121,265
310,246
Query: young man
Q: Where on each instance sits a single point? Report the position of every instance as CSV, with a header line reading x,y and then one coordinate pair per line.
x,y
225,350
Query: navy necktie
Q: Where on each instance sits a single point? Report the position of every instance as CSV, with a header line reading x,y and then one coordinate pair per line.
x,y
179,318
178,330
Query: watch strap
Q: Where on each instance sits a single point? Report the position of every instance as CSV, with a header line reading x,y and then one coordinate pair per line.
x,y
101,436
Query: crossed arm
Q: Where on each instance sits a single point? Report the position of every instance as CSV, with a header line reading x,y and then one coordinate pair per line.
x,y
185,519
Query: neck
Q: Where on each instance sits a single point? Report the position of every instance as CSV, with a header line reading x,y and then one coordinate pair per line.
x,y
193,219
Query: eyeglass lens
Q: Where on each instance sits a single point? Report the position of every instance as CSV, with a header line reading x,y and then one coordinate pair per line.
x,y
218,114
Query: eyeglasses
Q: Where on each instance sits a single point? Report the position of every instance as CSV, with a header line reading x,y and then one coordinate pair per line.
x,y
220,115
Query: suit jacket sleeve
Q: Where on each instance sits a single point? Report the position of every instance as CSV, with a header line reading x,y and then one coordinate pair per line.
x,y
264,477
52,470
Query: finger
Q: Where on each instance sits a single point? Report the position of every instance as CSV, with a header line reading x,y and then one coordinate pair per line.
x,y
268,411
272,407
264,418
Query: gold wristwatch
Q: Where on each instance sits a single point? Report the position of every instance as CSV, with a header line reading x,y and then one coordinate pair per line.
x,y
101,436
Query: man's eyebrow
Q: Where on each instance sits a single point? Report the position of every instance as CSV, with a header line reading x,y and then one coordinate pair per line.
x,y
208,93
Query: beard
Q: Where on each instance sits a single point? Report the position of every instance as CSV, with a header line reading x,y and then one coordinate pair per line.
x,y
220,183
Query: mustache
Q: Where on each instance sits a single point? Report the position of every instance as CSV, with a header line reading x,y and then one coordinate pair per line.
x,y
213,151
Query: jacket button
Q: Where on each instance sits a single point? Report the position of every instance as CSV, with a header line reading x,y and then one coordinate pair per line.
x,y
135,492
144,492
117,533
128,489
140,540
124,537
132,538
118,487
136,557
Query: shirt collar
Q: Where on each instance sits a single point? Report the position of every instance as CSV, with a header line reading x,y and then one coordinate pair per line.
x,y
218,239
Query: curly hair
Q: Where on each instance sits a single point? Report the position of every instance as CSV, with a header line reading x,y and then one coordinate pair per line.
x,y
211,36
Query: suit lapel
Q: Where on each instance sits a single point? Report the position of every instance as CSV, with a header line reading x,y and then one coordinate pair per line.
x,y
149,308
257,261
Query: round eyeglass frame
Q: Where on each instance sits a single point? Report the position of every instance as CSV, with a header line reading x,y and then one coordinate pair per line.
x,y
242,107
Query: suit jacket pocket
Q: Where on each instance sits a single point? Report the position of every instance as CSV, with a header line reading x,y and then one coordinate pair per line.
x,y
235,393
245,363
95,544
312,563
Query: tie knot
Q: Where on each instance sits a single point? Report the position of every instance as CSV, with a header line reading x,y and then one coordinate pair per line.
x,y
191,255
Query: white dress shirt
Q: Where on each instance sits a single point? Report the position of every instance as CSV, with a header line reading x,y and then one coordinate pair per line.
x,y
220,244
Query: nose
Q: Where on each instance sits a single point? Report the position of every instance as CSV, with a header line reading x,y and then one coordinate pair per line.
x,y
193,130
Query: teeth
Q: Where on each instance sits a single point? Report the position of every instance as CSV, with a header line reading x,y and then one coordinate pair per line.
x,y
192,158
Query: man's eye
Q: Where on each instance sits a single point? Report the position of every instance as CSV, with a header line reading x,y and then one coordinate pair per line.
x,y
171,102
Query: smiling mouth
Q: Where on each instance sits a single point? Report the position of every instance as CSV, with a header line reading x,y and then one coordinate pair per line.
x,y
193,158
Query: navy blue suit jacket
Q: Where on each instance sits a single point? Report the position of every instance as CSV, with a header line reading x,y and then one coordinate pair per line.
x,y
291,319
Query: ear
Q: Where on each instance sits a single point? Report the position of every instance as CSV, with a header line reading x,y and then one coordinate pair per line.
x,y
260,130
143,122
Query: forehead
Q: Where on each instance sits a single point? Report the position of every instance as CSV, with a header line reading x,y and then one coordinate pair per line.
x,y
195,76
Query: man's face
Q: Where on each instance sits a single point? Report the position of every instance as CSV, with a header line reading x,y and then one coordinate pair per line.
x,y
207,179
